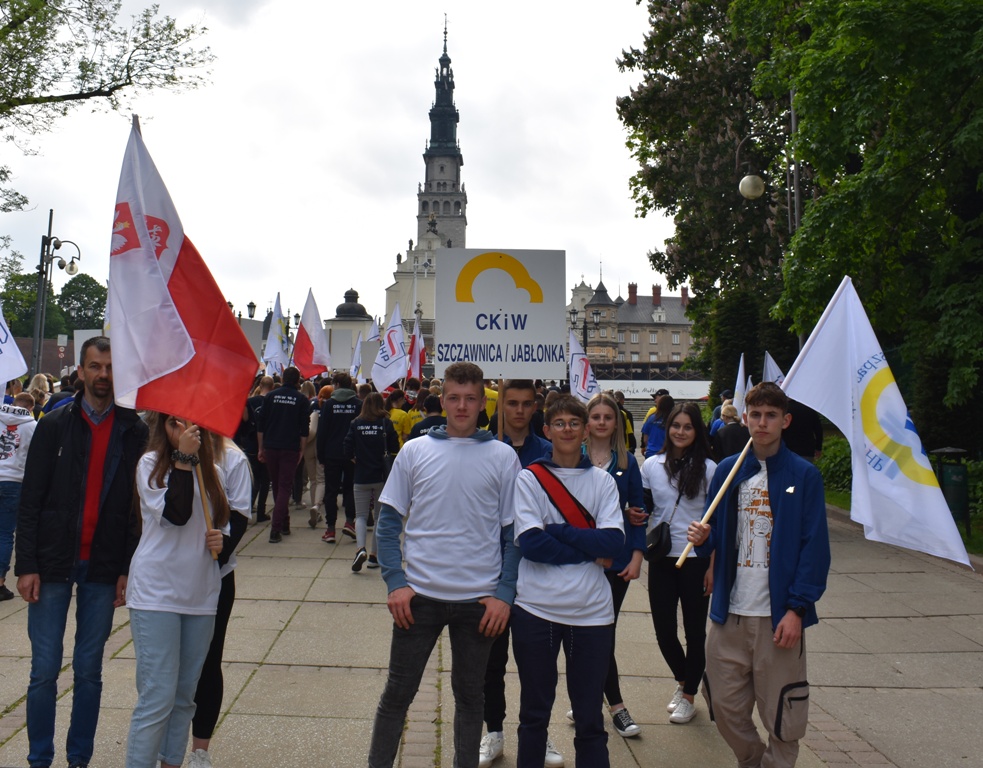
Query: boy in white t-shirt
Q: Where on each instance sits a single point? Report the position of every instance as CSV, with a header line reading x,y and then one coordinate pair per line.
x,y
569,526
772,557
450,494
16,430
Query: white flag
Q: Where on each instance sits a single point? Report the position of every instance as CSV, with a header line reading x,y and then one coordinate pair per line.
x,y
373,332
583,385
417,353
740,388
12,364
356,368
276,354
843,373
772,372
390,362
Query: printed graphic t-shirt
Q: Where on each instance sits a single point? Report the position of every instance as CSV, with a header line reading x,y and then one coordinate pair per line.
x,y
750,595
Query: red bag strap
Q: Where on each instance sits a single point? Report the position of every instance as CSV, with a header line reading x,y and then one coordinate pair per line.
x,y
566,503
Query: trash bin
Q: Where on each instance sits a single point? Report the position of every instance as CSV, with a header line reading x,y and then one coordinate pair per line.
x,y
954,481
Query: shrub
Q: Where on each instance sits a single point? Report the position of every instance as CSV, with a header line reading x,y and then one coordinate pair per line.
x,y
834,464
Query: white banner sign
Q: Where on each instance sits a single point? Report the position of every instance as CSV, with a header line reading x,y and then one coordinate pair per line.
x,y
504,311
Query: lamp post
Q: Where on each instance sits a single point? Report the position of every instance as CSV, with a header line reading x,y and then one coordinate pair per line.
x,y
595,316
250,308
46,264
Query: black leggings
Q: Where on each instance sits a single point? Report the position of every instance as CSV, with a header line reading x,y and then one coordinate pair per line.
x,y
668,587
208,696
619,588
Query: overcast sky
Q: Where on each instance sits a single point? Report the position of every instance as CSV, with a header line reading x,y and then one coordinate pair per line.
x,y
297,165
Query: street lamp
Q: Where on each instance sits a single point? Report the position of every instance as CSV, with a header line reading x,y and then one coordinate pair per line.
x,y
595,316
46,264
250,308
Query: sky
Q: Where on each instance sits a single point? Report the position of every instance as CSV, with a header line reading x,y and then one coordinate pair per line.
x,y
296,165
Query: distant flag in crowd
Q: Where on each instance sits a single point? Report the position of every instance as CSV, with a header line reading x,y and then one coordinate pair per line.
x,y
843,374
311,353
12,363
276,353
356,369
176,346
740,388
373,332
772,372
417,353
390,361
583,385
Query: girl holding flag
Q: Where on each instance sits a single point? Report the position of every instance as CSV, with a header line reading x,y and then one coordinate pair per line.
x,y
173,586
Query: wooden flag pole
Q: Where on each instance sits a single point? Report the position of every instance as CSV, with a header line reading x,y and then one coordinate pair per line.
x,y
498,403
204,503
716,500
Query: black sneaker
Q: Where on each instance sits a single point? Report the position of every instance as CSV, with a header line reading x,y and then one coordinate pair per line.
x,y
5,594
373,562
276,537
286,531
360,557
624,724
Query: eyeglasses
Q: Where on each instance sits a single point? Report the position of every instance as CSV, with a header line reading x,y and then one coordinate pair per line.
x,y
559,426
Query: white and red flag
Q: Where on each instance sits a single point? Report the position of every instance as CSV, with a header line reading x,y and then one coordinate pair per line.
x,y
311,353
176,346
390,361
417,353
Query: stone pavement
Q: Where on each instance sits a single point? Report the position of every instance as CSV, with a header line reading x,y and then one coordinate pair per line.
x,y
896,666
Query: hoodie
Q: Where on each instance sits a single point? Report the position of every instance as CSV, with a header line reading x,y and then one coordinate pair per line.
x,y
337,414
17,427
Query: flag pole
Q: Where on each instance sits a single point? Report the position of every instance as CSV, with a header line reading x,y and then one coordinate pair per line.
x,y
716,500
204,503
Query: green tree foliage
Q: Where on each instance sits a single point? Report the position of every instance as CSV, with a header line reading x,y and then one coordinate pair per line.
x,y
83,302
19,297
58,54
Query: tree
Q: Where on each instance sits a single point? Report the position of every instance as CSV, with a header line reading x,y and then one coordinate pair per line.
x,y
19,297
83,302
57,54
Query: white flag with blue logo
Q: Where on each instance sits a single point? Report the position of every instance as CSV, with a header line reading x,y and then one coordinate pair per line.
x,y
12,364
771,371
843,373
390,361
583,385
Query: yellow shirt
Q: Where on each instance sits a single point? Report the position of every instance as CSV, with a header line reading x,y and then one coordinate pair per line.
x,y
401,423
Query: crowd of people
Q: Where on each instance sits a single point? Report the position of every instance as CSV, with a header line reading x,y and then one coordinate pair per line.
x,y
541,495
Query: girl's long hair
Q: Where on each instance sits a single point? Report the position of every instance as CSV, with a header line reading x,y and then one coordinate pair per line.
x,y
161,448
617,442
373,407
689,469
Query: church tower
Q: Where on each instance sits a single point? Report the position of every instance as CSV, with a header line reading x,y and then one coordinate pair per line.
x,y
441,199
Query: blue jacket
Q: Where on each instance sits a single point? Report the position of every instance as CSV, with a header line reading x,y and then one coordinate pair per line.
x,y
629,482
799,550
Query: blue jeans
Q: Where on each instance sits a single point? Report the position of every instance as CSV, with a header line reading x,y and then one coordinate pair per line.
x,y
170,650
9,500
408,657
46,629
536,644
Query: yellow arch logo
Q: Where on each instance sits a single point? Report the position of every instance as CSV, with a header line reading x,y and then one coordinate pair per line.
x,y
463,291
902,455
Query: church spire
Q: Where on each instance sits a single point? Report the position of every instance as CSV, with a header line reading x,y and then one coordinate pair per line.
x,y
444,116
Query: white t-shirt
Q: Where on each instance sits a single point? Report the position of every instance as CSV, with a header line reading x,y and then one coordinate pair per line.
x,y
576,594
238,489
750,595
17,427
664,493
172,569
455,496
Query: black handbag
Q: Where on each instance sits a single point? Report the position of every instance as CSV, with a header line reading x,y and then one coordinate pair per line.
x,y
658,541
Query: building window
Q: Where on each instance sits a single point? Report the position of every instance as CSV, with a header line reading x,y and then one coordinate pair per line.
x,y
604,333
634,337
426,206
604,313
457,208
590,334
653,337
653,357
447,212
621,337
675,337
675,357
634,357
621,357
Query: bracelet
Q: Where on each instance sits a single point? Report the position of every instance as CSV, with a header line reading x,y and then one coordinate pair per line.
x,y
186,458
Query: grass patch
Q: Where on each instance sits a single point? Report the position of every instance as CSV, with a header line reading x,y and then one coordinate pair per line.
x,y
839,499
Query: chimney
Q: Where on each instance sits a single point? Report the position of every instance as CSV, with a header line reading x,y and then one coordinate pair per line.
x,y
656,295
684,299
633,293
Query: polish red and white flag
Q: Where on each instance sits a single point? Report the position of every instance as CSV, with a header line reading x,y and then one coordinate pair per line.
x,y
417,353
176,346
311,353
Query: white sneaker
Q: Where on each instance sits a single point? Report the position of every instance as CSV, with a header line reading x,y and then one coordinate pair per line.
x,y
570,716
491,748
676,698
199,759
683,713
553,757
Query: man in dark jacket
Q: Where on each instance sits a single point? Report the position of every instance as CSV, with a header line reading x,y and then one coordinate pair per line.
x,y
76,525
337,414
282,426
